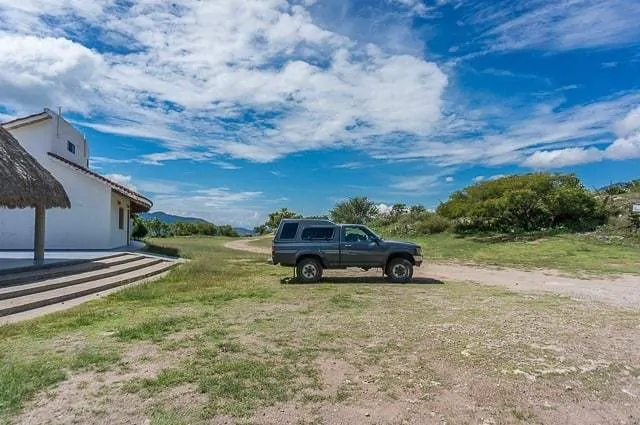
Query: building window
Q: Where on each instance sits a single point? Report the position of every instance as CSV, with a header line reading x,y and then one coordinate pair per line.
x,y
120,218
71,147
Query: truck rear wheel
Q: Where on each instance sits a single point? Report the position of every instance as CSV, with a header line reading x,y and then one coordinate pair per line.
x,y
309,270
399,270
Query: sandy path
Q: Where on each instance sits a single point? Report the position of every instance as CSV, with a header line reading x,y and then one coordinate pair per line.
x,y
623,290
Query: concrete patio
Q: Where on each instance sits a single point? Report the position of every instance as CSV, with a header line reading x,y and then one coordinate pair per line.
x,y
11,261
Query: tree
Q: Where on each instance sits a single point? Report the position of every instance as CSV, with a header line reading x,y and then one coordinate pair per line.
x,y
261,230
398,209
416,210
528,202
157,229
276,217
358,210
139,228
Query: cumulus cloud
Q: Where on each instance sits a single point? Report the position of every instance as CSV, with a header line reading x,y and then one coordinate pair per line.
x,y
629,124
563,157
121,179
161,73
624,148
262,80
384,209
45,71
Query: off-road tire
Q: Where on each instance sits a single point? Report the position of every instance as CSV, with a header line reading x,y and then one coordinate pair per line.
x,y
399,270
309,270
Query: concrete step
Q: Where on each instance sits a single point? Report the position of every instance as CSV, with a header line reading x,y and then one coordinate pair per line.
x,y
51,272
53,296
46,285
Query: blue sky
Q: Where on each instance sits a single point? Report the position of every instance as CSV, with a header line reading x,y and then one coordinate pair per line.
x,y
228,110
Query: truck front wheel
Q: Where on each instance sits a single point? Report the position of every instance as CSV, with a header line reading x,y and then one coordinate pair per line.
x,y
309,270
400,270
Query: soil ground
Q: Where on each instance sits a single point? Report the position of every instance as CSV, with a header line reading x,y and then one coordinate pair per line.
x,y
619,290
221,341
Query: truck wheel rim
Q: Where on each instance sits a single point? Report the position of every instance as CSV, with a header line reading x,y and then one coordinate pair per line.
x,y
309,271
399,270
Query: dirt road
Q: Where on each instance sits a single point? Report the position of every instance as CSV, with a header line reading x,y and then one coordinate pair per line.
x,y
623,290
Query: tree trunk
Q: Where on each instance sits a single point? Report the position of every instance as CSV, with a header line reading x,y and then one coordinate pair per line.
x,y
38,248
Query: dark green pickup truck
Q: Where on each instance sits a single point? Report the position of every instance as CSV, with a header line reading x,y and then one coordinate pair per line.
x,y
313,245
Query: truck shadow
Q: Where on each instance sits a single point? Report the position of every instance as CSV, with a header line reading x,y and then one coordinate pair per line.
x,y
363,280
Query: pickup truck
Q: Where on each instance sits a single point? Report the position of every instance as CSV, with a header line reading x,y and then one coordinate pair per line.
x,y
314,245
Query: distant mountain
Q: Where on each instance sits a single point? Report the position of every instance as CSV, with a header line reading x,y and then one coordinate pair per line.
x,y
243,232
169,218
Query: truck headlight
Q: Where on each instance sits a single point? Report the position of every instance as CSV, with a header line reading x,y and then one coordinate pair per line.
x,y
419,251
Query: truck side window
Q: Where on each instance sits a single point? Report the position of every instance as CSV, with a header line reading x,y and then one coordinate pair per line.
x,y
317,233
289,231
355,234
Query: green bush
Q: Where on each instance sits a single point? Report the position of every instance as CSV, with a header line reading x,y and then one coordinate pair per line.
x,y
432,224
525,203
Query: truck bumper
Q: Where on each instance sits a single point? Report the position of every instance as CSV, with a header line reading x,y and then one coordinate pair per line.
x,y
417,259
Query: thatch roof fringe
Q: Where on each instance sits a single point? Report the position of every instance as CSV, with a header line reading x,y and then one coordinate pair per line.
x,y
24,183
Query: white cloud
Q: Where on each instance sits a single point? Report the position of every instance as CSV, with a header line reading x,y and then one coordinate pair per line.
x,y
415,6
157,186
562,157
350,165
478,178
449,179
559,25
416,183
624,148
190,73
121,179
46,71
163,74
384,209
515,133
220,205
629,124
621,149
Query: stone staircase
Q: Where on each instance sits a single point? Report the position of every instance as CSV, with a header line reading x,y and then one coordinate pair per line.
x,y
33,289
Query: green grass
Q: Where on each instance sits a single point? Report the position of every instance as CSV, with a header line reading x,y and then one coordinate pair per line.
x,y
571,253
223,329
20,380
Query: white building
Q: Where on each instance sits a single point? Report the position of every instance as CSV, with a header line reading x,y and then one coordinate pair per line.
x,y
100,212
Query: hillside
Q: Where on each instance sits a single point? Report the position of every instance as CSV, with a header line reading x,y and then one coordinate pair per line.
x,y
170,218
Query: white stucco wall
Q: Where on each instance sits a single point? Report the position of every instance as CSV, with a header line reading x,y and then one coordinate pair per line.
x,y
86,225
37,139
118,237
92,221
63,132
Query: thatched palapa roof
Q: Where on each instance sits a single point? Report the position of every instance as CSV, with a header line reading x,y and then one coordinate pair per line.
x,y
24,183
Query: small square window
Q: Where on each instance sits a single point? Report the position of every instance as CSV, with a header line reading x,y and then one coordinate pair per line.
x,y
71,147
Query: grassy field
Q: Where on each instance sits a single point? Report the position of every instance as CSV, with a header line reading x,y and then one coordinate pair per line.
x,y
569,253
221,340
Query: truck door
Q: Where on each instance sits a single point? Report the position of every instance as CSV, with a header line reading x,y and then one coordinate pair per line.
x,y
359,248
325,240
